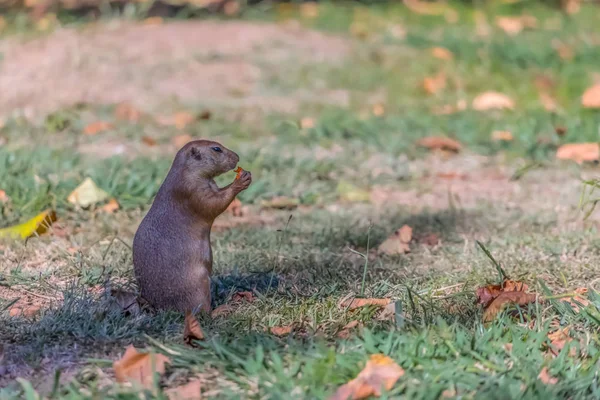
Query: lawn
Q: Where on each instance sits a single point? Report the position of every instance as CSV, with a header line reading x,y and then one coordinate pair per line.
x,y
327,107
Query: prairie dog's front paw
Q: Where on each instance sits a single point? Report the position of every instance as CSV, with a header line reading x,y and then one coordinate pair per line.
x,y
243,181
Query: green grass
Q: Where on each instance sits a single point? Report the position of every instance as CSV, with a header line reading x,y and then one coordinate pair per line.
x,y
300,269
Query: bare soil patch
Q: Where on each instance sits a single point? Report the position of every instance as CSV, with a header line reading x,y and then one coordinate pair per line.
x,y
151,65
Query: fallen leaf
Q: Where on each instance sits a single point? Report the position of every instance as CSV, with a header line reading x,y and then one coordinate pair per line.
x,y
545,377
136,367
378,109
548,102
127,112
111,206
398,243
380,373
307,123
510,25
579,152
222,310
354,303
4,197
235,208
183,119
502,136
591,97
560,130
485,295
577,301
434,84
350,193
344,333
153,21
560,334
97,127
37,225
126,300
231,8
504,299
281,203
181,140
190,391
281,330
86,194
442,53
309,9
191,329
147,140
388,313
440,143
242,296
27,311
492,101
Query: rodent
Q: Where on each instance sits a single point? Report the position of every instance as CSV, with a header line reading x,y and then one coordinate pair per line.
x,y
172,255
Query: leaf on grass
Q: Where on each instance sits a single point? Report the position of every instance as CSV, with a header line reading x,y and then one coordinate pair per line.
x,y
442,53
235,208
86,194
136,367
378,109
591,97
492,101
434,84
111,206
222,310
37,225
153,21
190,391
440,143
577,301
191,329
504,299
281,330
27,311
147,140
579,152
486,294
281,203
381,373
388,313
127,112
350,193
510,25
307,123
545,377
354,303
97,127
344,333
502,136
181,140
242,296
398,243
4,197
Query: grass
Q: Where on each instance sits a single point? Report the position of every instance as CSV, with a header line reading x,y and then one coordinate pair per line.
x,y
300,268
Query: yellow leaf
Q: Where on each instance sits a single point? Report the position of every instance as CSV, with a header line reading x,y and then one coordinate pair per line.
x,y
136,367
37,225
86,194
380,373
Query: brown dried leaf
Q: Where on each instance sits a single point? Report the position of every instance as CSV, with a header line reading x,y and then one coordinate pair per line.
x,y
153,21
398,243
434,84
192,330
381,372
545,377
281,330
242,296
139,367
147,140
97,127
354,303
502,136
307,123
504,299
577,301
492,101
591,97
388,313
440,143
27,311
579,152
378,109
189,391
442,53
486,294
511,25
127,112
222,310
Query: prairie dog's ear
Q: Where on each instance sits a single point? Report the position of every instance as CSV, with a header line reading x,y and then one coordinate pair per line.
x,y
195,153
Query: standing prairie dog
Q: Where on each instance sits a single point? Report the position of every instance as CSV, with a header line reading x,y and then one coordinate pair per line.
x,y
172,256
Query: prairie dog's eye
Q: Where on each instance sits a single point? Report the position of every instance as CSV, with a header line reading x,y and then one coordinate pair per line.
x,y
217,149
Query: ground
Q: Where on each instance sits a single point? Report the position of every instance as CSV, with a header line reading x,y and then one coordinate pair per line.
x,y
327,110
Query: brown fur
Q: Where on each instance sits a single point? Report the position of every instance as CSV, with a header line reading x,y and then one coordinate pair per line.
x,y
172,256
